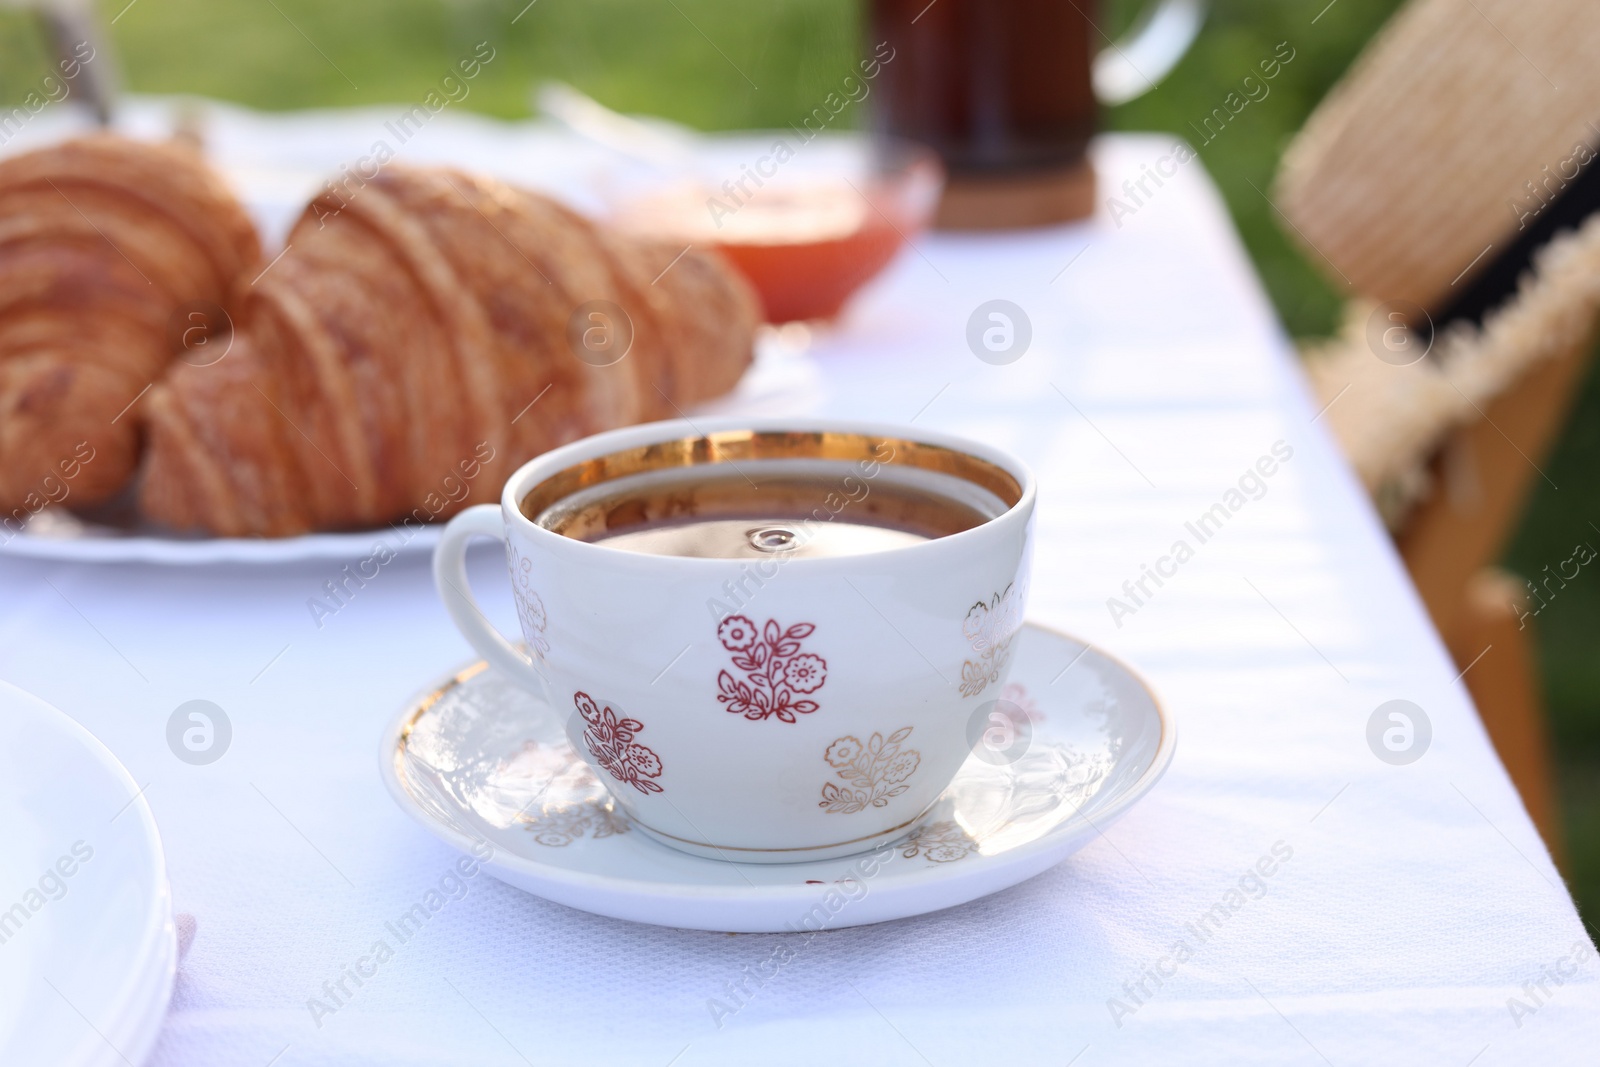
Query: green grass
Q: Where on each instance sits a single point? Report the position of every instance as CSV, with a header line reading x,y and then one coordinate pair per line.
x,y
1244,156
1557,520
722,64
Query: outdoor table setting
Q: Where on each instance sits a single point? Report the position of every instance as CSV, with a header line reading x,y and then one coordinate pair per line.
x,y
583,589
1293,889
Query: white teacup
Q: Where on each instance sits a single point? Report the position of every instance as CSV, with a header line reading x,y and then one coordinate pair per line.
x,y
768,710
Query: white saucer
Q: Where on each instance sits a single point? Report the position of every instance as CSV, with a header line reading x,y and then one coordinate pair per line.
x,y
87,963
477,760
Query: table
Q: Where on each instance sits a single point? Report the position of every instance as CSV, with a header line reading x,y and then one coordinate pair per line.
x,y
1409,907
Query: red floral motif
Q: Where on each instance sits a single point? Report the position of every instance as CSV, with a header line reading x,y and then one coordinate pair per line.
x,y
736,633
776,672
805,674
1018,694
610,739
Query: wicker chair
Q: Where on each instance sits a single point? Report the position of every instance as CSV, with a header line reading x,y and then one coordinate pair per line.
x,y
1449,183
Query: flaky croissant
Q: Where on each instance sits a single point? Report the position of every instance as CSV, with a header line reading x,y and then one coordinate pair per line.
x,y
102,241
420,337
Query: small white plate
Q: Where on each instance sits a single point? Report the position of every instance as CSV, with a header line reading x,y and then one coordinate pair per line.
x,y
56,534
487,768
87,947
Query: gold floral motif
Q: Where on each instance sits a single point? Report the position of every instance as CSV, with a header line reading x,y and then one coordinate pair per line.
x,y
938,842
990,627
530,607
1053,783
559,827
875,772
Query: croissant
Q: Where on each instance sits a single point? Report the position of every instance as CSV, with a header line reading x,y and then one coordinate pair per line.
x,y
420,336
102,240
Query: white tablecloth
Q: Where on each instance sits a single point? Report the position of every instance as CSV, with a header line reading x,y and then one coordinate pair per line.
x,y
1416,905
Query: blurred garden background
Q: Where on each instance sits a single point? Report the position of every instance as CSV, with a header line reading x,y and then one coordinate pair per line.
x,y
720,64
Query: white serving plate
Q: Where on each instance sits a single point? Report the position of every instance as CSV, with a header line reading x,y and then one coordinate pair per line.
x,y
88,957
65,538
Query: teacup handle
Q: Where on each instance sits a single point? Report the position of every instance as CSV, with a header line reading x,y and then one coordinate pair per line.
x,y
450,576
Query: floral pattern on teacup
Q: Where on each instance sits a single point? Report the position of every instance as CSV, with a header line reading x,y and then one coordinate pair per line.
x,y
874,772
610,740
990,627
530,606
777,674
